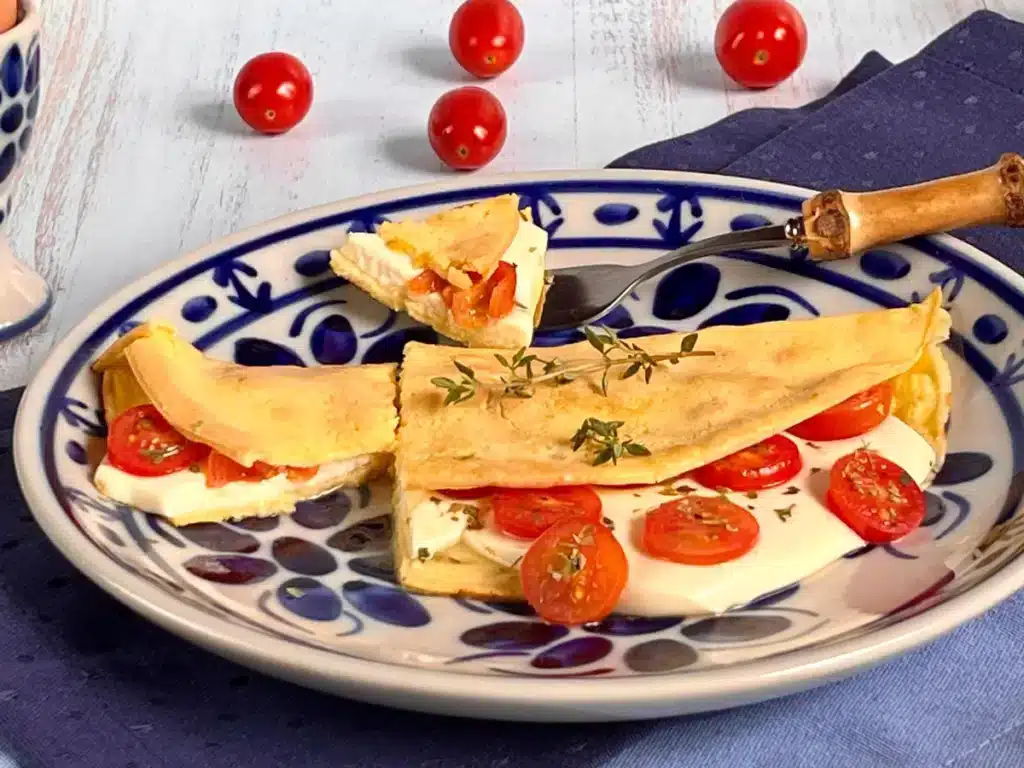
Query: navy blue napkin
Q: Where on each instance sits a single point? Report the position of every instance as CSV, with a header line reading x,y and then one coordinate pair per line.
x,y
84,682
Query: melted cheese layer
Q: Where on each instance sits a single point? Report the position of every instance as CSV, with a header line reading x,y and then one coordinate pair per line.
x,y
799,535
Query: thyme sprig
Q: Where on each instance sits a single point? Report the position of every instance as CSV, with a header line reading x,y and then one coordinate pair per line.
x,y
523,372
603,438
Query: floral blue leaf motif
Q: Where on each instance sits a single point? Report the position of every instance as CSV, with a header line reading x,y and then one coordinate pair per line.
x,y
537,203
220,538
618,318
32,75
884,265
260,352
673,232
333,342
469,605
8,158
224,272
380,567
302,556
963,509
514,635
156,525
367,224
324,511
111,536
309,599
369,535
748,221
300,319
772,290
12,70
386,604
1013,498
313,263
258,524
859,552
686,291
557,338
773,598
485,655
660,655
748,314
898,553
626,626
230,569
614,214
643,330
990,329
577,652
388,349
736,629
198,308
962,467
76,452
230,272
934,509
1010,374
387,325
11,119
92,424
950,278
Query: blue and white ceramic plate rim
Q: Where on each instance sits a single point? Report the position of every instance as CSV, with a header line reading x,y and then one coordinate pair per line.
x,y
591,674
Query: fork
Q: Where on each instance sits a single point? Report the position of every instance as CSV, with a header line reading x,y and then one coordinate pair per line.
x,y
832,225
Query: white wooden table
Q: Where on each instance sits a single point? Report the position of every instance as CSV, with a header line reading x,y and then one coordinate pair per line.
x,y
139,155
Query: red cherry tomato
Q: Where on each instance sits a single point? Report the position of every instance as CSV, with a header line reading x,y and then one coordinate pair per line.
x,y
699,530
273,92
467,128
875,497
220,470
854,416
574,573
426,282
760,43
486,36
765,465
528,512
502,285
142,442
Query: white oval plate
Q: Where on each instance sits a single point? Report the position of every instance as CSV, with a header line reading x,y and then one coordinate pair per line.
x,y
310,598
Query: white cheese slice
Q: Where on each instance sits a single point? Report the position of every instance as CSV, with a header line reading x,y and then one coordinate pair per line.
x,y
801,540
185,493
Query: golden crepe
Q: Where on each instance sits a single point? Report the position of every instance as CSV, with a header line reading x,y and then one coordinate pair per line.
x,y
419,267
761,380
285,416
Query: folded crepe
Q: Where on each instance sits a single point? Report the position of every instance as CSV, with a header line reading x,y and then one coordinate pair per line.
x,y
446,270
340,420
761,380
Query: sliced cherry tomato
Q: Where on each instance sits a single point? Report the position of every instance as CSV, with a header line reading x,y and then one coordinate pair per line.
x,y
769,463
699,530
502,285
467,128
142,442
574,573
220,470
854,416
426,282
760,43
486,36
301,474
273,92
528,512
875,497
469,306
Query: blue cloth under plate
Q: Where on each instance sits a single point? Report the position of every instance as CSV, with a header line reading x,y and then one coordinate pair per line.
x,y
84,682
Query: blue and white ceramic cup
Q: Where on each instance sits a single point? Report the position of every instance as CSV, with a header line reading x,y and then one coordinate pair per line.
x,y
24,296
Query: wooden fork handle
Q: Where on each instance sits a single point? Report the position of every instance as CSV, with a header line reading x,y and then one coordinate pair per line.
x,y
838,224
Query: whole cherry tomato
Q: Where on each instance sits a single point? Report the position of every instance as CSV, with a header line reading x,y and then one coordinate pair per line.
x,y
467,127
273,92
765,465
486,36
760,43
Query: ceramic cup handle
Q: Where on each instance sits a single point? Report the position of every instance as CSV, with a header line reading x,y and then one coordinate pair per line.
x,y
838,224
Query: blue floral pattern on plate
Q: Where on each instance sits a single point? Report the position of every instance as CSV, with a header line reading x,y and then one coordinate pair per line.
x,y
322,578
